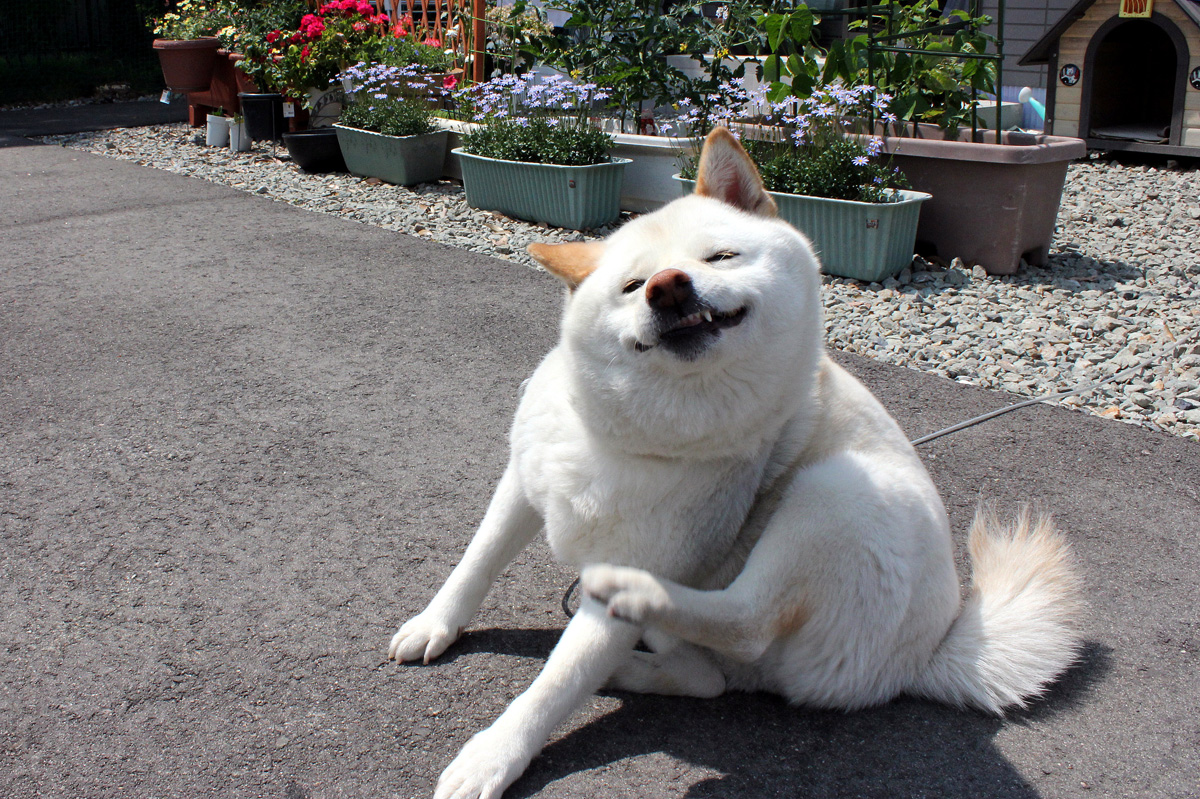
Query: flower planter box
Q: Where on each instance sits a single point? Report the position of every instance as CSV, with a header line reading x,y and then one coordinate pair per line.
x,y
575,197
187,65
404,160
654,160
993,204
864,241
454,131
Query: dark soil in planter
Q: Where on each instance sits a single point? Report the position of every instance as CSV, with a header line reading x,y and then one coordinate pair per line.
x,y
315,150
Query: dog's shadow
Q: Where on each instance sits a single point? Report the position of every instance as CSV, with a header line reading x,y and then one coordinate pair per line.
x,y
759,746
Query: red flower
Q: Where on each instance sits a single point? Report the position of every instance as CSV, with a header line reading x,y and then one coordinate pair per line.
x,y
274,36
304,54
360,26
432,42
364,8
449,82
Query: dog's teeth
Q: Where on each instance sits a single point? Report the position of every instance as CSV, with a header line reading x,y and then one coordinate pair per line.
x,y
707,316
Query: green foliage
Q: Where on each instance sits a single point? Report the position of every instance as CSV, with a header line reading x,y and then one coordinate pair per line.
x,y
390,115
623,44
539,141
514,36
840,170
939,85
247,22
191,19
406,51
540,120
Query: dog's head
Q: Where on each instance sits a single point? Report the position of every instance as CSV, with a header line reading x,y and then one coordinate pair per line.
x,y
697,319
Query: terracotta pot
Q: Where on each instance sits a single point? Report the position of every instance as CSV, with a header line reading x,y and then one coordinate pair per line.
x,y
244,82
187,65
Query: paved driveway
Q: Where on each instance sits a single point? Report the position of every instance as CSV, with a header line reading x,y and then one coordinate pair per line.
x,y
240,442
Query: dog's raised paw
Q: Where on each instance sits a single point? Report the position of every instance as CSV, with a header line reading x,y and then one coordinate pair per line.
x,y
632,595
423,637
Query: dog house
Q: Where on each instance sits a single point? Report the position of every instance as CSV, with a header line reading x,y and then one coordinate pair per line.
x,y
1125,75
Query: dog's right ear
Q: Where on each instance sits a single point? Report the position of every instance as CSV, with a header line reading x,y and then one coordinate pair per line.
x,y
728,174
570,262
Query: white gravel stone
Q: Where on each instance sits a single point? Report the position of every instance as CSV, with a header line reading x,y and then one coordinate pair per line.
x,y
1122,289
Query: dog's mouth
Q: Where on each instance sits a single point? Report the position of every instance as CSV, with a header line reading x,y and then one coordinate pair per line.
x,y
690,334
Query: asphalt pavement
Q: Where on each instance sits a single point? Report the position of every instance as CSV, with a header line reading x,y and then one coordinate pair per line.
x,y
241,442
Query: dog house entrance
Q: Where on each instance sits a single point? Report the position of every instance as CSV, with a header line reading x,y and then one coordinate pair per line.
x,y
1132,84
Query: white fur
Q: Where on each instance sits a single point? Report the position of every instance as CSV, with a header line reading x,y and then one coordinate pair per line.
x,y
753,513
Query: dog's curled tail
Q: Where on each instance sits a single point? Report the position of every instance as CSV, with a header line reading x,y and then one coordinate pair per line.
x,y
1017,630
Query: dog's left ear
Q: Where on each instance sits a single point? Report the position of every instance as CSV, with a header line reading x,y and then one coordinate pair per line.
x,y
570,262
728,174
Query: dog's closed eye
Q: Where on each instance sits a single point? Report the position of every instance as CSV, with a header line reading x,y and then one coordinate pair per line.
x,y
723,255
632,285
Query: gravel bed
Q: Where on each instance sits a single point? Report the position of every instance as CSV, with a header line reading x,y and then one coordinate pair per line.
x,y
1122,288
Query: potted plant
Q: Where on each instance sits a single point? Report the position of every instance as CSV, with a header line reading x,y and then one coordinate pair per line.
x,y
217,129
995,194
239,137
538,156
628,45
388,131
830,185
239,27
186,46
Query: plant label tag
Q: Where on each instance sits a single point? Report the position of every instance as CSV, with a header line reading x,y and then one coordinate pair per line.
x,y
166,97
289,110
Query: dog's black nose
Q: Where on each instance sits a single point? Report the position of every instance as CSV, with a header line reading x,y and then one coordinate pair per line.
x,y
669,289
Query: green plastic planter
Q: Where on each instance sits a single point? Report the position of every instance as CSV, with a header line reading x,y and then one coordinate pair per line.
x,y
864,241
404,160
575,197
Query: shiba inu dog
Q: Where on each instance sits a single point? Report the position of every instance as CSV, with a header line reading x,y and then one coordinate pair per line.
x,y
734,499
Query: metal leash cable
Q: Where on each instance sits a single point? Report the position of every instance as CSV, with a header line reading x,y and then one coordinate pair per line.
x,y
1121,375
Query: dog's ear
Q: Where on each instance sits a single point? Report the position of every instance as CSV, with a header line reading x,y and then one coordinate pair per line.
x,y
570,262
728,174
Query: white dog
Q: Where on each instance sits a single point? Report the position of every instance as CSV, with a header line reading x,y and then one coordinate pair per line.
x,y
735,499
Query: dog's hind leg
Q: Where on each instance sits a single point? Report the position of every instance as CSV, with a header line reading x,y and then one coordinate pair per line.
x,y
683,670
509,524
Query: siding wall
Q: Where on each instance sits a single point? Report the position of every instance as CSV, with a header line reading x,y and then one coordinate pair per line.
x,y
1024,23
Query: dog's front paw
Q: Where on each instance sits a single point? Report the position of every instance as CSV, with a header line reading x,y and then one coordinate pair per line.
x,y
489,763
633,595
424,636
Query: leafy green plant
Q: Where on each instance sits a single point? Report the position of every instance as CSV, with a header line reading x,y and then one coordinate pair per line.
x,y
932,71
392,100
792,67
246,24
514,35
810,146
623,44
191,19
538,121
